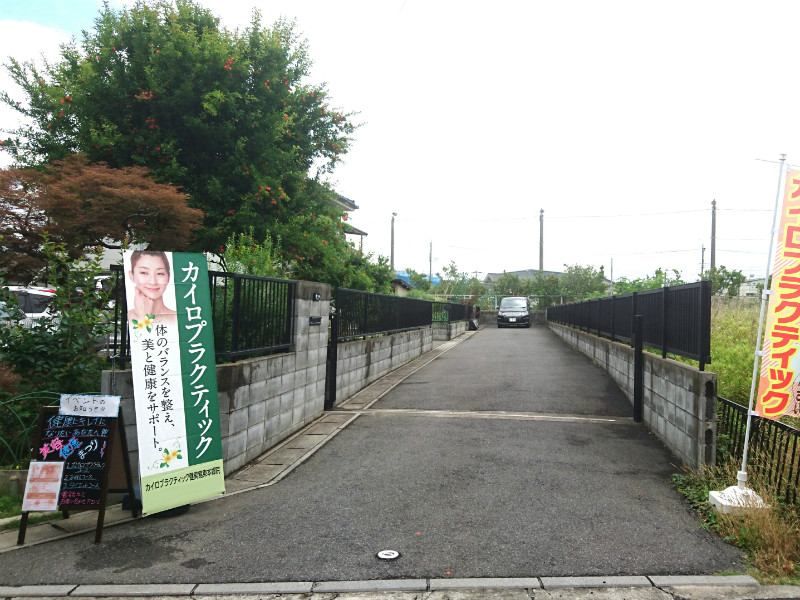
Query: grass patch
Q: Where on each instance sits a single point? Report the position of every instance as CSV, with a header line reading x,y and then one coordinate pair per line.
x,y
734,329
734,332
33,519
770,538
9,506
12,507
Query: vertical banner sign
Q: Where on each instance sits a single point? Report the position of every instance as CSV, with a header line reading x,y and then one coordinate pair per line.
x,y
779,379
174,378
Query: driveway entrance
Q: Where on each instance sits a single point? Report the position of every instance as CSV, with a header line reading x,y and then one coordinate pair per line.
x,y
510,455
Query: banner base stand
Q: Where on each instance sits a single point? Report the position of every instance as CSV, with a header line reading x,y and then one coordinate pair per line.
x,y
736,500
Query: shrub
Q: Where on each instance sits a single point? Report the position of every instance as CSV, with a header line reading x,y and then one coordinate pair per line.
x,y
58,353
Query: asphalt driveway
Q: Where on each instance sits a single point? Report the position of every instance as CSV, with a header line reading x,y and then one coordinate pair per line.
x,y
508,456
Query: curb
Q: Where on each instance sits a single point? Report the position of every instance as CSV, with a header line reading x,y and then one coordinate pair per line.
x,y
687,586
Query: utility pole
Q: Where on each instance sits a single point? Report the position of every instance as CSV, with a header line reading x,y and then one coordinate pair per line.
x,y
541,239
391,262
612,276
713,234
702,261
430,264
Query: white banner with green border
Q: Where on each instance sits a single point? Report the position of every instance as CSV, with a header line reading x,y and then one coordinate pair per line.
x,y
174,378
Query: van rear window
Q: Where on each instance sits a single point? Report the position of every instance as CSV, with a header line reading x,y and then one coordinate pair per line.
x,y
513,303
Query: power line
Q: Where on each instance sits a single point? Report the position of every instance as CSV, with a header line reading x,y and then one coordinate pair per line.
x,y
653,252
655,214
744,251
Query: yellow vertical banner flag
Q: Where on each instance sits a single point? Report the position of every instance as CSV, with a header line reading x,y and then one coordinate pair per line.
x,y
779,377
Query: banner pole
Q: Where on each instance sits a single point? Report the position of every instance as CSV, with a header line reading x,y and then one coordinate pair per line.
x,y
742,475
737,498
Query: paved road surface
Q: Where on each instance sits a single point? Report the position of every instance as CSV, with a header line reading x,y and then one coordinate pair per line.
x,y
509,456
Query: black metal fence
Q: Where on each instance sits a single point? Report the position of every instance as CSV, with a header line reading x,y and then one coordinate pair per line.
x,y
361,313
774,448
251,315
677,319
449,312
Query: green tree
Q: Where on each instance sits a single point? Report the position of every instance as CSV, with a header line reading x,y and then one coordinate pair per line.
x,y
81,207
475,288
243,254
509,285
659,279
725,282
225,116
546,287
420,281
579,283
449,280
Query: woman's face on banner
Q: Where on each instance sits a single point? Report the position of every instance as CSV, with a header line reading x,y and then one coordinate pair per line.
x,y
151,276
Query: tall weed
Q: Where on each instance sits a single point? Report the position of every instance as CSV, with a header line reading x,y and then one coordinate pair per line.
x,y
770,537
734,332
734,329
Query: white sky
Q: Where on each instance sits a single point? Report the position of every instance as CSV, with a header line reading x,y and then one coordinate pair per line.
x,y
621,120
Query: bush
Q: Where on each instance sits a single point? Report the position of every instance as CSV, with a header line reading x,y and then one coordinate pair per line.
x,y
58,353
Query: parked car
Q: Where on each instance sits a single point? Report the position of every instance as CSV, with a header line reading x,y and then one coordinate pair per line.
x,y
34,302
514,311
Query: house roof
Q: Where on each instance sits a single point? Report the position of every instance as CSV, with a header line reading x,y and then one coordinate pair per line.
x,y
402,283
347,228
346,203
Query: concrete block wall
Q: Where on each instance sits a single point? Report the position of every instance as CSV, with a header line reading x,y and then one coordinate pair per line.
x,y
680,401
443,332
263,400
361,362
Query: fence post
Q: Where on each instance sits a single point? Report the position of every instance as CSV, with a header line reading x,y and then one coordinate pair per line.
x,y
333,356
664,300
598,316
237,301
638,368
613,314
705,324
633,316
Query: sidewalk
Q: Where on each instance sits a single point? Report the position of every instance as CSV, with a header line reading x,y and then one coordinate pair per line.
x,y
282,460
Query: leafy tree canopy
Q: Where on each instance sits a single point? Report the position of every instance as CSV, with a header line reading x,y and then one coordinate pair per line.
x,y
579,283
725,282
509,284
420,281
659,279
547,289
224,115
81,206
453,282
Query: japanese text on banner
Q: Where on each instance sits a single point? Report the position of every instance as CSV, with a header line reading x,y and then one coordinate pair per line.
x,y
779,379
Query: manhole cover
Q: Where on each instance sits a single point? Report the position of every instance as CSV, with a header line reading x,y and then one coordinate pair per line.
x,y
388,554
